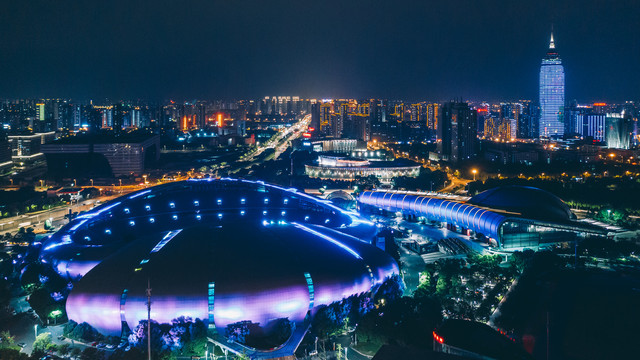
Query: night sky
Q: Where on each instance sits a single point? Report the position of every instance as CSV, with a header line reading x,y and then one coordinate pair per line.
x,y
420,49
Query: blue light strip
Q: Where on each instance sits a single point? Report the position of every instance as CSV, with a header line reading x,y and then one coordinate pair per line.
x,y
80,223
90,215
170,235
330,239
139,194
210,304
66,239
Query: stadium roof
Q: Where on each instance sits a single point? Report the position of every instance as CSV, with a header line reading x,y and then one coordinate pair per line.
x,y
527,201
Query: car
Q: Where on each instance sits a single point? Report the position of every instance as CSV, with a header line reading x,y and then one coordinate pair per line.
x,y
22,345
61,337
110,346
94,343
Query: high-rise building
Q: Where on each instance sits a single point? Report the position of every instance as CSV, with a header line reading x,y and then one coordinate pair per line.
x,y
591,125
416,112
315,117
457,132
551,94
432,116
325,117
618,130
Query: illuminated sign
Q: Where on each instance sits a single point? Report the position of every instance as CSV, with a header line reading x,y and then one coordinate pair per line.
x,y
219,120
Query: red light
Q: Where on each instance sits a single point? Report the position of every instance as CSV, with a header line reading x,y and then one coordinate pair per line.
x,y
438,338
312,129
306,135
599,104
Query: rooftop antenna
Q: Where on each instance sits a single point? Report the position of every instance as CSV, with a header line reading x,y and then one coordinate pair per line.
x,y
552,44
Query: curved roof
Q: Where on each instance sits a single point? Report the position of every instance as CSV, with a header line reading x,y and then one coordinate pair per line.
x,y
95,235
527,201
258,273
473,217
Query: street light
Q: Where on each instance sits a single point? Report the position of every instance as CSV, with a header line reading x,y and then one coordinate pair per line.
x,y
474,171
91,182
55,314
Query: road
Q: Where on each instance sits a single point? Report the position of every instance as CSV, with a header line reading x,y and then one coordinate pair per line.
x,y
280,141
56,215
454,185
412,265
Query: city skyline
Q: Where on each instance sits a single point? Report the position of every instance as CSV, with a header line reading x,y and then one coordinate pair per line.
x,y
363,179
406,50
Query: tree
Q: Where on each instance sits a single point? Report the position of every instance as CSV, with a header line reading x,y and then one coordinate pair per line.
x,y
12,354
441,286
8,340
42,342
91,353
64,350
85,332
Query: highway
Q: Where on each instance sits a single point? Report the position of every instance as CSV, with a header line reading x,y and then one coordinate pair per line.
x,y
280,141
57,215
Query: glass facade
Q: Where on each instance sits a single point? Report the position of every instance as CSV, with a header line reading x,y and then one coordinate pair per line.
x,y
551,94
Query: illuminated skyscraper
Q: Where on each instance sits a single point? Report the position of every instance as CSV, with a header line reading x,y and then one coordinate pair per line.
x,y
432,116
551,94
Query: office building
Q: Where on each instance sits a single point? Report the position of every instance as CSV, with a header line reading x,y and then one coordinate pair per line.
x,y
551,94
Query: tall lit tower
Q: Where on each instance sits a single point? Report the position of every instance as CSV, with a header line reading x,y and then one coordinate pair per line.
x,y
551,93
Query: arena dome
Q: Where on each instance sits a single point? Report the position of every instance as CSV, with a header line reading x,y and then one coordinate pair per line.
x,y
527,201
91,237
224,251
257,273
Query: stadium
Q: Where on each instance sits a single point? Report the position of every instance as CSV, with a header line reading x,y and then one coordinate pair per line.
x,y
509,217
224,251
348,168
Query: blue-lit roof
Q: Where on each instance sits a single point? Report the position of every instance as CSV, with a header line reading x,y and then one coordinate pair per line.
x,y
472,217
169,207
